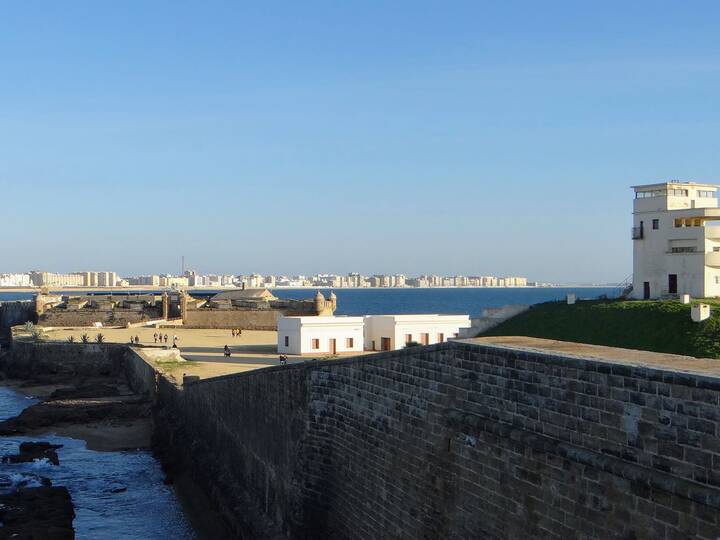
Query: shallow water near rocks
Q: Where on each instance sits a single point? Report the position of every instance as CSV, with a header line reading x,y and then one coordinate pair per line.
x,y
117,495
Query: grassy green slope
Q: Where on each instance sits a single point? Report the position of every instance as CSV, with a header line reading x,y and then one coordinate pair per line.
x,y
662,326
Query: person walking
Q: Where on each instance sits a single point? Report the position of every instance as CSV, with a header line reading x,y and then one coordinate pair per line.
x,y
226,351
232,332
166,338
137,340
175,340
155,337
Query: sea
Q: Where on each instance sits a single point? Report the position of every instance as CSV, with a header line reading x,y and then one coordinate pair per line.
x,y
465,300
117,495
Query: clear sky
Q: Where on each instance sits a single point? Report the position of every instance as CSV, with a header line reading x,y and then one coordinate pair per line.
x,y
297,137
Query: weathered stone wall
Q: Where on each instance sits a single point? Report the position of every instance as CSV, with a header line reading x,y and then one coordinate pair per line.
x,y
14,313
88,317
57,361
27,359
141,375
232,318
251,458
454,441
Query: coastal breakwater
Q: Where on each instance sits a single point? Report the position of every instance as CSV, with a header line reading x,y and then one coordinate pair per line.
x,y
455,440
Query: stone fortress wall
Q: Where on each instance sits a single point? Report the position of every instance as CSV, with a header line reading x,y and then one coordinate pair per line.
x,y
14,313
255,309
455,440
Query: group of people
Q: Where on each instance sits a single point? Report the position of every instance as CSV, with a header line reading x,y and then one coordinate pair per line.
x,y
236,332
283,359
159,338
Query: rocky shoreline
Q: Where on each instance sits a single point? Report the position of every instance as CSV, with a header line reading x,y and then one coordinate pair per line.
x,y
102,410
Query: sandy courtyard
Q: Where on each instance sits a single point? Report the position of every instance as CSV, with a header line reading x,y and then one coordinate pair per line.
x,y
202,348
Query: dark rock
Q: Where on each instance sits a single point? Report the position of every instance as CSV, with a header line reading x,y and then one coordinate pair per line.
x,y
30,451
57,412
42,513
86,391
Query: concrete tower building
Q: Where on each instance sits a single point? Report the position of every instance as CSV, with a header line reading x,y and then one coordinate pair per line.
x,y
676,240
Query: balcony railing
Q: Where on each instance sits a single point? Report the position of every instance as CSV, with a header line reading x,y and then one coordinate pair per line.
x,y
637,233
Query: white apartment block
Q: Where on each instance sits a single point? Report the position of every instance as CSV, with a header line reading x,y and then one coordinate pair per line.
x,y
676,240
15,280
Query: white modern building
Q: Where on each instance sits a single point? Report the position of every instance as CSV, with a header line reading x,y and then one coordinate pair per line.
x,y
320,335
676,240
392,332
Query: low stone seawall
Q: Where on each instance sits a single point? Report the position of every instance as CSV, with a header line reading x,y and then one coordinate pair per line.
x,y
53,360
454,440
64,359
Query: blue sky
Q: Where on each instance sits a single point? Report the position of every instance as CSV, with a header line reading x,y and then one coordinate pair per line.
x,y
298,137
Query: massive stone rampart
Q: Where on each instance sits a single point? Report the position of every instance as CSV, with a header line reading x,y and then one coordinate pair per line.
x,y
455,440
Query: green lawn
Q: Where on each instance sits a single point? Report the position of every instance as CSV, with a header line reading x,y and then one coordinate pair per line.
x,y
662,326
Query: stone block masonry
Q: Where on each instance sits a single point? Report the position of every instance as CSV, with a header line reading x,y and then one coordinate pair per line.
x,y
456,440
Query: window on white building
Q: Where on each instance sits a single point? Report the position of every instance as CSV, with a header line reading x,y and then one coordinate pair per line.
x,y
315,343
703,193
287,341
656,224
349,343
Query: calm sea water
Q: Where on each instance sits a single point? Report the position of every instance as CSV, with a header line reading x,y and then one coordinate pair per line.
x,y
390,301
147,509
452,301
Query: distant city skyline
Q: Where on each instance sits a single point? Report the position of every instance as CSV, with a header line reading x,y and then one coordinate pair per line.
x,y
294,137
192,279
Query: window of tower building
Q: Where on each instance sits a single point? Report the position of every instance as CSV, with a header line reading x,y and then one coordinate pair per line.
x,y
656,224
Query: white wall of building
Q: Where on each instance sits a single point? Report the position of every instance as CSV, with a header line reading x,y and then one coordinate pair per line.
x,y
679,236
430,328
302,331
